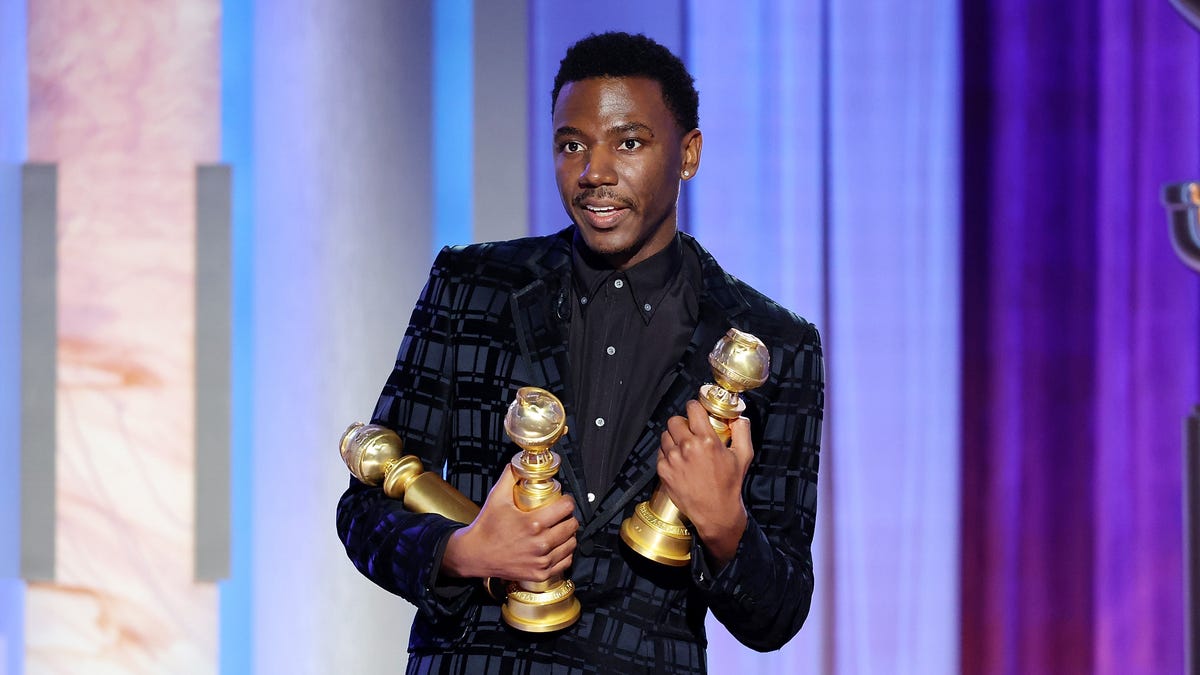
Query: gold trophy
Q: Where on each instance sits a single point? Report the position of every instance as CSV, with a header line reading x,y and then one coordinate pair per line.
x,y
372,453
535,421
740,362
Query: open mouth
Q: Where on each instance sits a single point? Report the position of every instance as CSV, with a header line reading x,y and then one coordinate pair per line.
x,y
603,216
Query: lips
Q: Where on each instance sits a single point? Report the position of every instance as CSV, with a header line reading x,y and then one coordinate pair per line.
x,y
603,217
601,209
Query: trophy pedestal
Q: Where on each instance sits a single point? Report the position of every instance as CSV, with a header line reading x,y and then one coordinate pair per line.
x,y
541,611
656,532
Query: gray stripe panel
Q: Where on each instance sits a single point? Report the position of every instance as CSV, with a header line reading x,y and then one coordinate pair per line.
x,y
39,347
213,353
501,84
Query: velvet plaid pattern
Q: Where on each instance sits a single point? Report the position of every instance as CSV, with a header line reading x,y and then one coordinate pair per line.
x,y
493,318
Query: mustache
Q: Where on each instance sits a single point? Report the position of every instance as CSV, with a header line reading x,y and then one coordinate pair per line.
x,y
605,194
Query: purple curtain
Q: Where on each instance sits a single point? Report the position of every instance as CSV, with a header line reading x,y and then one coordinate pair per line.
x,y
1080,334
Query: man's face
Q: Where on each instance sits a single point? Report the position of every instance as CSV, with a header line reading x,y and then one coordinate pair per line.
x,y
619,155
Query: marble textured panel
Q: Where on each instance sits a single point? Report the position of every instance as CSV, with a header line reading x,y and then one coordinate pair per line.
x,y
125,99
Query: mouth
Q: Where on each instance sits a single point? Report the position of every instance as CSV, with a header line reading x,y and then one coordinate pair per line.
x,y
601,214
603,217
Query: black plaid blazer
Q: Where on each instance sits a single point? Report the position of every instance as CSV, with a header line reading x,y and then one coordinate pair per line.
x,y
493,318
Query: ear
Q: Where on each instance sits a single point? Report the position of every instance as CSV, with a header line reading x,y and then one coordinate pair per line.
x,y
690,146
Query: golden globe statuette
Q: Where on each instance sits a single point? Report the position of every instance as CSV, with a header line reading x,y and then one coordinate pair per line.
x,y
740,362
372,453
535,421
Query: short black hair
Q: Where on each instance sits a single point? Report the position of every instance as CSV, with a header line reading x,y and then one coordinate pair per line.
x,y
624,55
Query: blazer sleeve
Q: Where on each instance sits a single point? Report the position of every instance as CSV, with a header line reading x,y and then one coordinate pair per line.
x,y
763,595
397,549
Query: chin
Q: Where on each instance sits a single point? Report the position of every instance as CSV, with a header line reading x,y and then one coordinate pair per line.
x,y
610,245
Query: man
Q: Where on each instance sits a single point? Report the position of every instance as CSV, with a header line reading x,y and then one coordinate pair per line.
x,y
615,315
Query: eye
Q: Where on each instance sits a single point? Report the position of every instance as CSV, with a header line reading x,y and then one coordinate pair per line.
x,y
631,144
571,147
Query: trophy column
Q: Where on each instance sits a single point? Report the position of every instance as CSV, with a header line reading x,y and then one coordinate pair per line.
x,y
372,453
739,362
535,421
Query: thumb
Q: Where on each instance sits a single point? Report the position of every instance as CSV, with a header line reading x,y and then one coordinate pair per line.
x,y
503,488
741,442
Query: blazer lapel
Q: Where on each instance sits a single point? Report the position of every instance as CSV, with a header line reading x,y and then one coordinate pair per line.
x,y
540,311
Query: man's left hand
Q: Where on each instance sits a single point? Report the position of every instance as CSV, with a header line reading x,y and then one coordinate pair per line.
x,y
704,478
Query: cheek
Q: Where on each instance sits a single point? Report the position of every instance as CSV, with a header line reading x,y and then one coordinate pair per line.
x,y
563,175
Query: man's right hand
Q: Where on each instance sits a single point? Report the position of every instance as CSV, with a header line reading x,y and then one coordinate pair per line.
x,y
508,543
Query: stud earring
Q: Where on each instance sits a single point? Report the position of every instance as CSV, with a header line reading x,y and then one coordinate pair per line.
x,y
686,174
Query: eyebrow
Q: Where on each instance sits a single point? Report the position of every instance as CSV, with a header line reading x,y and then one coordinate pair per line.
x,y
630,127
619,129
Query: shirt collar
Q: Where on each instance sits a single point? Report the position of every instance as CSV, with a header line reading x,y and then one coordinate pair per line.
x,y
648,280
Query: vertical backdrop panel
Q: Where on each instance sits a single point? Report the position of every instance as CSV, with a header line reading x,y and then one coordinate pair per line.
x,y
14,106
237,150
125,103
756,203
500,199
343,224
1147,325
1029,311
894,324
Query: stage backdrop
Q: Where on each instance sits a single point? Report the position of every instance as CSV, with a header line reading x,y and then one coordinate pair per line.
x,y
1080,335
961,196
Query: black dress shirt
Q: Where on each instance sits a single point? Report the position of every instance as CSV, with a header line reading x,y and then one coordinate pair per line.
x,y
628,331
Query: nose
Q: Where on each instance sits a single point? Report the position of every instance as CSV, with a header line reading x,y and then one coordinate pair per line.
x,y
598,170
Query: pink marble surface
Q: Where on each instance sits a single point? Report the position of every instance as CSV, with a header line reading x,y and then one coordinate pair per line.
x,y
125,97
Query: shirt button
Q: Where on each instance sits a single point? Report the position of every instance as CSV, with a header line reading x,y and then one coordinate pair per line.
x,y
618,283
646,307
591,497
599,421
610,350
583,300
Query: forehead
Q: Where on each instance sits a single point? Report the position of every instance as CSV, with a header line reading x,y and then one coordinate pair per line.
x,y
608,101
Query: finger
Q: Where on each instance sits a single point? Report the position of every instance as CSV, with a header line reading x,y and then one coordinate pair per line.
x,y
563,550
551,514
678,428
562,559
666,445
742,444
560,569
698,420
506,480
559,509
561,532
503,489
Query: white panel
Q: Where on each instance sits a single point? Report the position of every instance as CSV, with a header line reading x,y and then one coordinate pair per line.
x,y
343,229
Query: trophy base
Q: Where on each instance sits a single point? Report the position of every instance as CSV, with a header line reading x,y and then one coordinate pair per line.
x,y
541,611
656,539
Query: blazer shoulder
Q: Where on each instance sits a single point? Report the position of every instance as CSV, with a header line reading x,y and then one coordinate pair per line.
x,y
514,259
751,310
765,317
